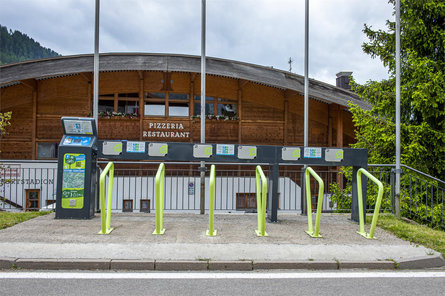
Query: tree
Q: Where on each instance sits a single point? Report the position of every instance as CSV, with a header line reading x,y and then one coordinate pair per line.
x,y
4,121
422,90
16,47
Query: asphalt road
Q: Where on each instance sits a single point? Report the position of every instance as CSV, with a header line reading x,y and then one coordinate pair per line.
x,y
211,283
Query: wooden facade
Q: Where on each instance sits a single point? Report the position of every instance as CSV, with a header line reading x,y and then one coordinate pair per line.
x,y
164,103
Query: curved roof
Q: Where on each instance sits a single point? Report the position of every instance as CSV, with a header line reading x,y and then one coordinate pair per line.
x,y
68,65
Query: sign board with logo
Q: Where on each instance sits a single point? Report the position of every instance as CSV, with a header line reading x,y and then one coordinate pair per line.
x,y
73,184
191,188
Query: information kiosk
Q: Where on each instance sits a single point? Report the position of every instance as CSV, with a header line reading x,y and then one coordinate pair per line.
x,y
76,170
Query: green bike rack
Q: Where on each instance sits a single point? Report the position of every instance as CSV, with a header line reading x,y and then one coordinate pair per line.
x,y
105,221
310,230
159,196
211,231
261,201
362,232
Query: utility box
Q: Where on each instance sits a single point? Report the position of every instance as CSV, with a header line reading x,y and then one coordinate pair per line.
x,y
76,169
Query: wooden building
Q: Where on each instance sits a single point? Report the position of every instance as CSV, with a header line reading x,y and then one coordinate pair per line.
x,y
156,97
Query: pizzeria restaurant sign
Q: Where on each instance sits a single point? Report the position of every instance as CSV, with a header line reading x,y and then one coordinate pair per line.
x,y
165,130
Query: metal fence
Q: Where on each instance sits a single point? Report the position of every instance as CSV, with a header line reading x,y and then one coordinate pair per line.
x,y
234,187
31,185
133,188
421,197
27,185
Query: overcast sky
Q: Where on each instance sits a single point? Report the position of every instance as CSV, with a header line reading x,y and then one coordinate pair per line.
x,y
264,32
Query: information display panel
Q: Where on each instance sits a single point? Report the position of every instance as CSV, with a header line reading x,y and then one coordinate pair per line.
x,y
78,126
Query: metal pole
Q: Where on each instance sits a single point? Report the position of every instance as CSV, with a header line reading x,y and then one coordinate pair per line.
x,y
398,170
96,65
306,74
203,100
306,100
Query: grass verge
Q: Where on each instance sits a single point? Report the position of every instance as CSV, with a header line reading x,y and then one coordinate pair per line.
x,y
8,219
412,232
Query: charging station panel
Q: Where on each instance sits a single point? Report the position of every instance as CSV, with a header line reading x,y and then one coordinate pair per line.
x,y
333,155
247,152
112,148
290,153
202,151
157,149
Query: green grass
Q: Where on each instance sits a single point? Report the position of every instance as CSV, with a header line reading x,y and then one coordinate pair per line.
x,y
412,232
8,219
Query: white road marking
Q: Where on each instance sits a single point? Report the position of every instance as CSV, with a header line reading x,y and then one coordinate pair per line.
x,y
213,275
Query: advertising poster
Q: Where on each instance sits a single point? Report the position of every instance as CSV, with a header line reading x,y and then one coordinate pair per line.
x,y
73,185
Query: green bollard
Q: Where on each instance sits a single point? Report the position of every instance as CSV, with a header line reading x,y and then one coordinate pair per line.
x,y
159,193
310,230
261,201
106,219
375,216
211,231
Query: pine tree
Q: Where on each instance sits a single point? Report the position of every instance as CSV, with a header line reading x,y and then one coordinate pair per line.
x,y
422,90
16,47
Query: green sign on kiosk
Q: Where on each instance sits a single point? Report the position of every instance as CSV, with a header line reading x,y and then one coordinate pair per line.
x,y
73,188
76,171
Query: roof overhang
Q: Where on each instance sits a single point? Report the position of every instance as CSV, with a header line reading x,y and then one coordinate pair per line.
x,y
69,65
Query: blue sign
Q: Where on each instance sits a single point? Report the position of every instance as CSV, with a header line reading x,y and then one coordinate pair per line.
x,y
191,188
77,141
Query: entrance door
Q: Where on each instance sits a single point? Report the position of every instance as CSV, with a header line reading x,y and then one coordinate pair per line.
x,y
32,199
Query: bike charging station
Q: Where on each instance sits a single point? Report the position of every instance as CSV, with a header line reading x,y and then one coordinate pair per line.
x,y
76,169
78,202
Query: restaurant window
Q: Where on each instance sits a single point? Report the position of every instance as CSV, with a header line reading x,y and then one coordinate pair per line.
x,y
106,106
126,104
210,106
226,108
154,104
106,103
216,106
178,104
128,107
166,104
47,150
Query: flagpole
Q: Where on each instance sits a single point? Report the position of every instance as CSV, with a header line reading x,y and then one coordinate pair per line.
x,y
96,66
203,100
398,170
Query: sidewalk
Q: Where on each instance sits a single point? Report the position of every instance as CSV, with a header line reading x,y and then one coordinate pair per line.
x,y
46,243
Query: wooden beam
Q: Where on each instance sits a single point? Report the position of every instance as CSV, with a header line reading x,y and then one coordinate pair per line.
x,y
141,104
115,102
340,127
241,84
288,93
88,76
286,119
34,123
31,83
192,104
192,94
167,83
2,93
330,132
